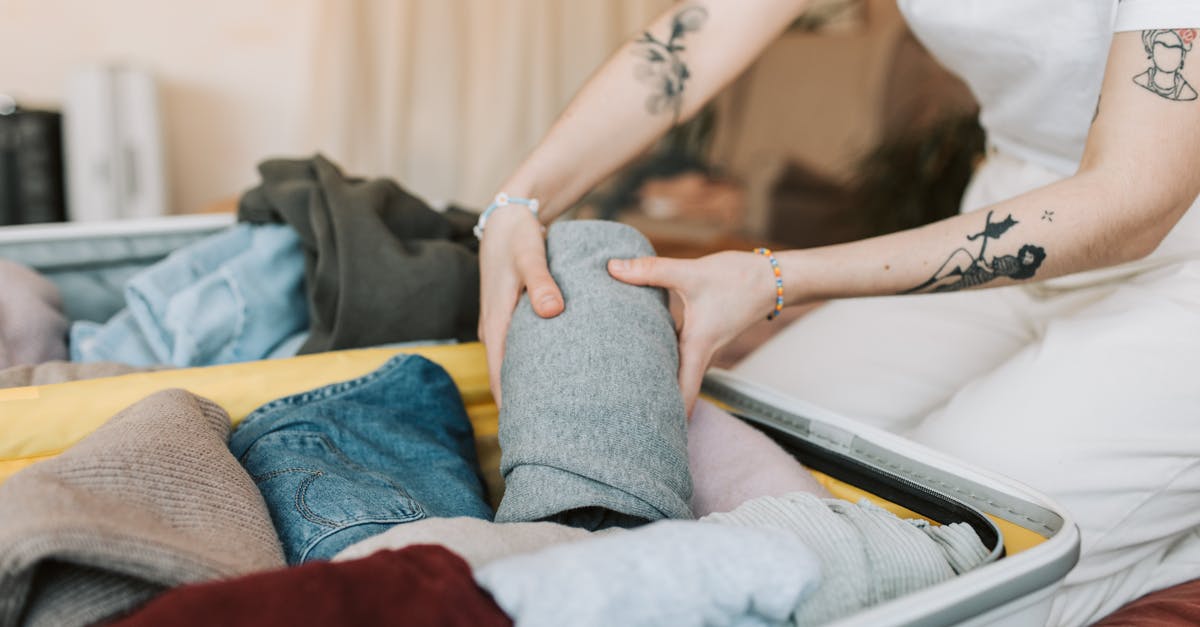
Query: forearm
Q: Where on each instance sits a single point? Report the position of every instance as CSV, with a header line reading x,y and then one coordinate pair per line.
x,y
1136,179
662,76
1082,223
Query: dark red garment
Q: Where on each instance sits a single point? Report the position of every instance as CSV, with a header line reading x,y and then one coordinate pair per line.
x,y
419,585
1178,606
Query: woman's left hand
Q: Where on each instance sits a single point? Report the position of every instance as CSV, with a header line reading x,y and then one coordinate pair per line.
x,y
722,295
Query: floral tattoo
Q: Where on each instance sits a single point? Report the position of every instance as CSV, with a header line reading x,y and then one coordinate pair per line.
x,y
664,68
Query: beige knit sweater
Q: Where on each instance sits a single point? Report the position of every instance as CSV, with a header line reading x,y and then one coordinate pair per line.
x,y
150,500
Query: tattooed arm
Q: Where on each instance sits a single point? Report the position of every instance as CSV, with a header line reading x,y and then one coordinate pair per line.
x,y
663,75
1138,176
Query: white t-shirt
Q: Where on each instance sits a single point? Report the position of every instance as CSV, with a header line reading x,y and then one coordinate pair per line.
x,y
1036,66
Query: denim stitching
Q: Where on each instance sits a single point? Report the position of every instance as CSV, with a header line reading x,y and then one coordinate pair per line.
x,y
391,521
353,465
341,455
282,471
321,393
328,391
301,503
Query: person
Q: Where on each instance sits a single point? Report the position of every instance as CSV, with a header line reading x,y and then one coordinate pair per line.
x,y
1069,364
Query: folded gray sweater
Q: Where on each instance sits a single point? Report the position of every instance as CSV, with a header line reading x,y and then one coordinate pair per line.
x,y
592,417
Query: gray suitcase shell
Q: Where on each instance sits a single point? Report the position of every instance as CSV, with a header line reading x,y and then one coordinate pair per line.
x,y
90,263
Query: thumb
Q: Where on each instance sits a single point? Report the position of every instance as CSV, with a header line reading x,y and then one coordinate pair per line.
x,y
544,295
653,271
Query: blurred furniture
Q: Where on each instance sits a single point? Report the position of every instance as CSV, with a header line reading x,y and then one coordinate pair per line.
x,y
116,165
31,165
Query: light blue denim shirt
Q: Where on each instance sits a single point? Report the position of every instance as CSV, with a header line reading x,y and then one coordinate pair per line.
x,y
235,296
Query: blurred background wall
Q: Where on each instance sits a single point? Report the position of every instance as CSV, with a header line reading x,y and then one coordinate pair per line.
x,y
446,96
232,76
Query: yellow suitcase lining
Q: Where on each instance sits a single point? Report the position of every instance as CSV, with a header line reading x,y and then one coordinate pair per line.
x,y
40,422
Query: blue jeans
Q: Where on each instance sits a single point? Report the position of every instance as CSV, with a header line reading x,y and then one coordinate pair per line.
x,y
350,460
235,296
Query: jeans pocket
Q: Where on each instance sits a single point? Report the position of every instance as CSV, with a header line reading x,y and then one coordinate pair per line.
x,y
320,500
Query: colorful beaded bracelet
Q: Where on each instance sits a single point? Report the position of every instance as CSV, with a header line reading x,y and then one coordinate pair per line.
x,y
766,252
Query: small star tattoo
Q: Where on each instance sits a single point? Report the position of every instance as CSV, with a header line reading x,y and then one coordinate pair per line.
x,y
1048,216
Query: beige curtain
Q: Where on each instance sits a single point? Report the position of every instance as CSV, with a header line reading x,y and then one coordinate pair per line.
x,y
447,96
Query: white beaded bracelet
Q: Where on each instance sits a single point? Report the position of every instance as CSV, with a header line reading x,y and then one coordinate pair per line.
x,y
503,200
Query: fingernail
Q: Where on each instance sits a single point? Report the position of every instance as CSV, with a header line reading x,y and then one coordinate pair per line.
x,y
620,265
548,300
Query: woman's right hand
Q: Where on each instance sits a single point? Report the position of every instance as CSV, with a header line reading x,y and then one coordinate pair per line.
x,y
512,260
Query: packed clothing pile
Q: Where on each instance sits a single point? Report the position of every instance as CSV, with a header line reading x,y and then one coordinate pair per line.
x,y
363,501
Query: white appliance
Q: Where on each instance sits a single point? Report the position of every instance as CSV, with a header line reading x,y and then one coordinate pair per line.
x,y
113,140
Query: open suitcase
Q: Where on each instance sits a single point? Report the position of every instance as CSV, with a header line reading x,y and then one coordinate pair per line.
x,y
1033,542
